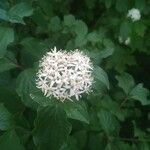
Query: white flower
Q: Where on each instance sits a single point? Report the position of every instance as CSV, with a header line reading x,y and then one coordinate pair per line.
x,y
134,14
120,39
64,74
126,42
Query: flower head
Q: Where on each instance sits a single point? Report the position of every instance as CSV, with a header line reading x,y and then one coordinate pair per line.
x,y
126,42
134,14
64,74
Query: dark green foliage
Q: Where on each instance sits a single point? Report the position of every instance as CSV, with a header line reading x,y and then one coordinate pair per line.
x,y
57,128
116,116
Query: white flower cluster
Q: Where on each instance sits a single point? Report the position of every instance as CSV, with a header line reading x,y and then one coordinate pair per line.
x,y
126,42
64,74
134,14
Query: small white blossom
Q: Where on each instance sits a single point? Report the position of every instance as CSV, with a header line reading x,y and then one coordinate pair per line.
x,y
134,14
64,74
126,42
120,39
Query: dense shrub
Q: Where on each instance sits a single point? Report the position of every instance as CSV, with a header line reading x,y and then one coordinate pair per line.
x,y
115,35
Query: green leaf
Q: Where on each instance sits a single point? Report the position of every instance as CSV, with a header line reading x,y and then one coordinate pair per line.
x,y
80,41
6,121
34,47
10,99
140,28
76,110
10,141
94,37
70,145
90,4
81,137
25,85
40,20
108,43
108,3
95,55
140,134
120,59
19,11
37,96
113,107
118,145
3,15
96,141
5,78
106,52
143,146
107,121
55,24
69,20
101,75
109,48
125,30
81,28
6,64
4,4
126,82
140,4
51,128
6,37
122,6
46,7
32,51
140,93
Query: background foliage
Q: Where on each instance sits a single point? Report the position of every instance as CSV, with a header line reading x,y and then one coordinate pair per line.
x,y
116,116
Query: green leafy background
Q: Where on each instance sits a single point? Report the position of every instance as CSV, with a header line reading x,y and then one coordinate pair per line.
x,y
116,116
